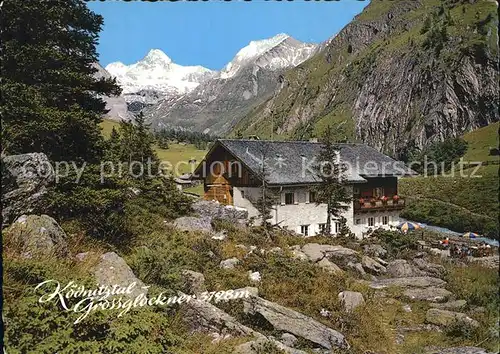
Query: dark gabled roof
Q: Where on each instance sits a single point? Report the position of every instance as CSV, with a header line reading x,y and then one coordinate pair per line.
x,y
287,161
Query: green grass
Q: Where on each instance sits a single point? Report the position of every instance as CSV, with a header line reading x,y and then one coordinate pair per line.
x,y
176,154
107,126
179,155
480,141
478,195
195,190
462,202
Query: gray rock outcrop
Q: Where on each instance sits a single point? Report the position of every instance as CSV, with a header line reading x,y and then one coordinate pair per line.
x,y
374,250
113,270
289,340
25,179
406,282
194,282
192,223
263,345
37,236
216,210
316,252
400,268
329,266
202,316
371,266
229,263
431,294
428,268
285,319
350,300
451,305
446,318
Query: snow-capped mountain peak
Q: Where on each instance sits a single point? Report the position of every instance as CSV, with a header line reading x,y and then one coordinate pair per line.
x,y
256,48
157,72
156,57
293,53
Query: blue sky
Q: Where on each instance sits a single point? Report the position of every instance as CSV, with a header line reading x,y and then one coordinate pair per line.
x,y
211,33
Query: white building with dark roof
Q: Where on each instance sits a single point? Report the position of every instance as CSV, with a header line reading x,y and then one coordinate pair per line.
x,y
234,171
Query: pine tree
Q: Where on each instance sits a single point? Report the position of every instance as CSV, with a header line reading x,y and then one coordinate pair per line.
x,y
332,189
143,139
267,200
50,97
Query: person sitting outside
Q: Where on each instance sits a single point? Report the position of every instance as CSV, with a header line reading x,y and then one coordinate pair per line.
x,y
445,243
487,250
464,252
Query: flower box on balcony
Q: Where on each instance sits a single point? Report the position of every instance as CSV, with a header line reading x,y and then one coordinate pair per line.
x,y
373,201
395,199
384,199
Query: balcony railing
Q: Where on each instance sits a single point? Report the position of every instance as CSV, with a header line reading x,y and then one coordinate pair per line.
x,y
389,204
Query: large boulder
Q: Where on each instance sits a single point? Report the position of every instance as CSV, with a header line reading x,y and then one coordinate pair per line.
x,y
37,236
316,252
428,268
450,305
371,266
329,266
285,319
407,282
229,263
446,318
202,316
431,294
350,300
25,179
216,210
400,268
194,282
113,270
192,223
264,345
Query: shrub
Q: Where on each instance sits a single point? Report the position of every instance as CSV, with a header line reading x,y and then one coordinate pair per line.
x,y
397,244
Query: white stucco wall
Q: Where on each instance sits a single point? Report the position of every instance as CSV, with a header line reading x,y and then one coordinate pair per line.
x,y
303,212
250,193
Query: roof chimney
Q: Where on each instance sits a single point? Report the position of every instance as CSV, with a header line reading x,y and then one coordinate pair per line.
x,y
313,140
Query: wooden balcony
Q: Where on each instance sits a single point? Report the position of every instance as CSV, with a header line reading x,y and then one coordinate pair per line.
x,y
379,205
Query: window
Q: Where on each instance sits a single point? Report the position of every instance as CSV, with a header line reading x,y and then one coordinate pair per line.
x,y
235,170
304,230
371,222
355,191
358,222
378,192
289,198
242,194
312,197
337,227
385,220
322,228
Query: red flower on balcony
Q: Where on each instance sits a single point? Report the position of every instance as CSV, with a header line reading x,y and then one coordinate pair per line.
x,y
395,198
384,199
361,201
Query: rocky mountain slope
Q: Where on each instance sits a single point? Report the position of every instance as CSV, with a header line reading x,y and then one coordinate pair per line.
x,y
117,106
154,77
401,75
216,105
